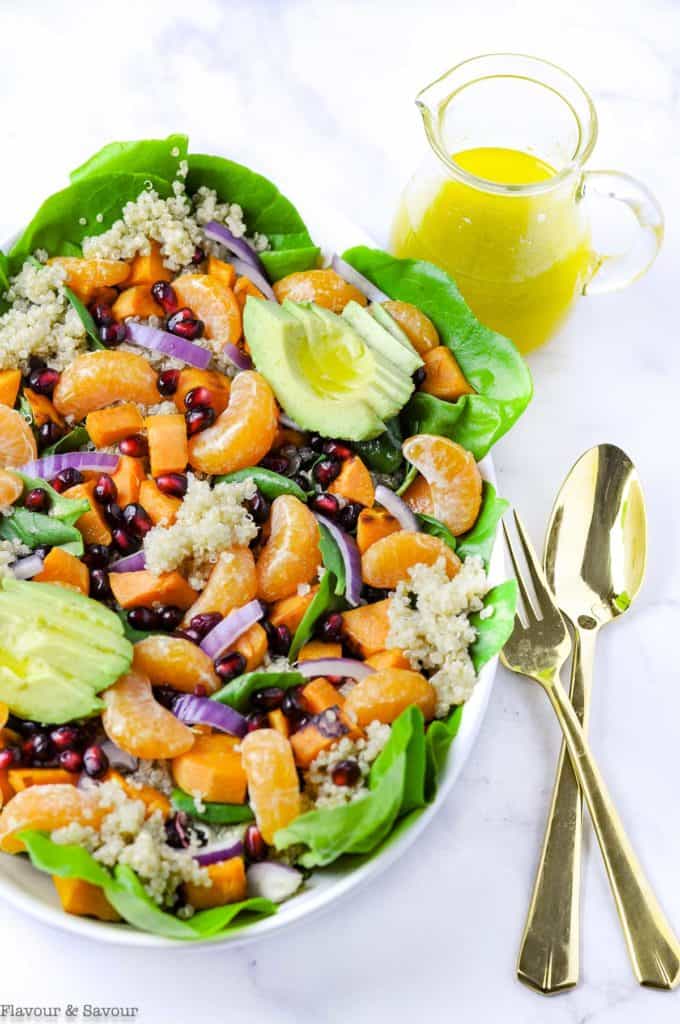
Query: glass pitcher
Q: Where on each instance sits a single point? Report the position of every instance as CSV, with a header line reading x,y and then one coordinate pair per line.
x,y
500,201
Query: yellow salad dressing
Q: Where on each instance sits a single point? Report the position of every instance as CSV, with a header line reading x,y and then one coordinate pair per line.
x,y
519,259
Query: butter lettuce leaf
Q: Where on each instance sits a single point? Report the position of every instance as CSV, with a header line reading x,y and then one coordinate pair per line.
x,y
490,362
480,539
492,632
160,157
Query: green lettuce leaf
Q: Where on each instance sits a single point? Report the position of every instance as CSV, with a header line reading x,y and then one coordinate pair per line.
x,y
265,210
325,600
494,631
237,692
332,558
71,442
160,157
428,524
480,539
490,362
67,510
438,738
212,813
271,484
408,735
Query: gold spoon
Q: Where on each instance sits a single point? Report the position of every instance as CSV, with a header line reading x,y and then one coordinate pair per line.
x,y
595,555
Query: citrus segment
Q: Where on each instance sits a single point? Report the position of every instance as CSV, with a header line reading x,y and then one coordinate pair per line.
x,y
97,379
273,783
213,302
324,287
291,555
17,443
231,584
174,661
47,808
243,433
453,476
11,488
418,328
388,561
140,725
383,696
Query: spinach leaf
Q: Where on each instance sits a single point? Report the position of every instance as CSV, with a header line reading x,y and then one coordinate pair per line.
x,y
332,559
383,453
69,861
237,692
4,280
325,600
409,476
265,209
71,442
438,738
270,483
36,530
85,318
280,264
490,362
58,222
67,510
160,157
480,539
436,528
212,813
494,631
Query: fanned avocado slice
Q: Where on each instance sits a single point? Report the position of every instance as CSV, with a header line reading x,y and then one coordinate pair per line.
x,y
58,650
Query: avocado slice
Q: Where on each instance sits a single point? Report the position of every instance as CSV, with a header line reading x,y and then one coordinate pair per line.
x,y
387,321
322,371
58,650
382,340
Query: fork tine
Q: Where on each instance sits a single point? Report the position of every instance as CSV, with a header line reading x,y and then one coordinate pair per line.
x,y
543,596
526,600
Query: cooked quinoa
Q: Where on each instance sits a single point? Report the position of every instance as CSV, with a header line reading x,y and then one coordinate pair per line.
x,y
429,621
209,521
319,784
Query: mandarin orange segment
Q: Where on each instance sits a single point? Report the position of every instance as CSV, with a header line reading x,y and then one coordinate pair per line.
x,y
17,443
291,555
214,303
273,784
174,661
453,476
97,379
47,808
232,583
243,433
443,376
222,271
417,327
383,696
324,287
85,276
418,496
11,488
388,561
134,720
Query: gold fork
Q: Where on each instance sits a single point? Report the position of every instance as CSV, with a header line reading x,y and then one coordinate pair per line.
x,y
538,650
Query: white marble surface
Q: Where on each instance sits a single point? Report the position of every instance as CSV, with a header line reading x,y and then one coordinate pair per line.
x,y
319,95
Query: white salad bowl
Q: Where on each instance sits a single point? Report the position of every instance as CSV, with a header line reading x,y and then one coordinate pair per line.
x,y
33,892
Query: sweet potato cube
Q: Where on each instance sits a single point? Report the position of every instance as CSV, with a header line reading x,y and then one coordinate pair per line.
x,y
22,778
168,443
245,287
161,508
216,384
9,386
319,649
277,720
66,570
136,301
228,879
92,525
109,426
152,798
253,646
134,589
374,524
212,768
393,658
128,479
42,408
354,482
367,627
84,899
319,734
224,271
320,695
290,611
147,268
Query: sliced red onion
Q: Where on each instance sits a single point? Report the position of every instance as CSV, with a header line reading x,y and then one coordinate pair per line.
x,y
333,667
217,232
131,563
203,711
350,556
48,467
230,628
215,856
239,359
397,507
358,280
286,421
273,881
163,341
28,567
258,279
119,759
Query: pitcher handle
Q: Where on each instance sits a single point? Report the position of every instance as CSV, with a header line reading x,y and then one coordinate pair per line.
x,y
618,271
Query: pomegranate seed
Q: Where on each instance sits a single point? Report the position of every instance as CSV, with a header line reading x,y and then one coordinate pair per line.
x,y
168,381
143,618
37,748
316,442
71,761
165,296
268,699
102,314
137,519
348,516
113,334
258,506
190,330
257,720
49,434
113,514
65,737
37,500
105,489
10,757
293,703
199,255
230,665
419,376
174,484
100,588
197,396
205,622
96,556
326,471
198,418
338,450
166,696
277,463
123,541
67,478
278,638
325,503
95,761
43,381
36,363
346,773
200,690
188,634
253,844
295,726
136,446
169,617
331,627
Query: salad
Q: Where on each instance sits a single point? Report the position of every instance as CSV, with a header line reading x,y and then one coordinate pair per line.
x,y
244,540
